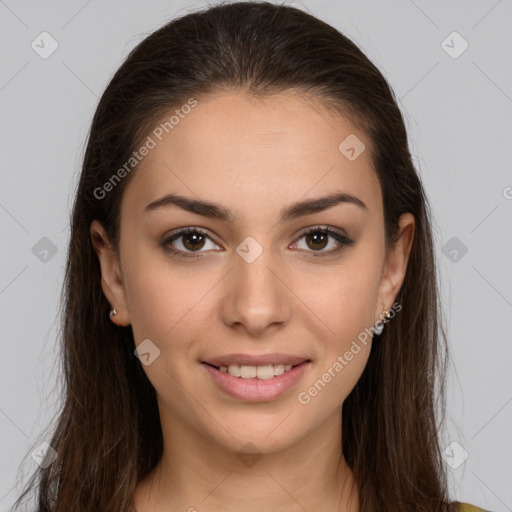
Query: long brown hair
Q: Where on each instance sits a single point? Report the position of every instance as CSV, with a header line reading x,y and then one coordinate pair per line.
x,y
108,433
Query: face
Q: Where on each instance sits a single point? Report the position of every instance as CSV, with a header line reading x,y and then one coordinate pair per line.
x,y
247,286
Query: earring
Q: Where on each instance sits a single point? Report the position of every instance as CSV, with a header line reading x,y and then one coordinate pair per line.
x,y
377,329
113,312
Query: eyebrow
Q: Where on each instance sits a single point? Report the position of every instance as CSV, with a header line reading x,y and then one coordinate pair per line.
x,y
290,212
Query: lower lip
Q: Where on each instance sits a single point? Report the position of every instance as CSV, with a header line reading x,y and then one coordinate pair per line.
x,y
257,390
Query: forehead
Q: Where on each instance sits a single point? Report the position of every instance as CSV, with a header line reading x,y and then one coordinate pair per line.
x,y
235,148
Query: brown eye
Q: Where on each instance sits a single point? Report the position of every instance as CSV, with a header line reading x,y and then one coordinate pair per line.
x,y
185,242
317,240
193,241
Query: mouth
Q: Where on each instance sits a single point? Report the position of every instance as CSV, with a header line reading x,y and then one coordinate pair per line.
x,y
262,372
256,378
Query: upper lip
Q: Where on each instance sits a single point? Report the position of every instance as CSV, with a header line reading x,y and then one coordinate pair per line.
x,y
255,360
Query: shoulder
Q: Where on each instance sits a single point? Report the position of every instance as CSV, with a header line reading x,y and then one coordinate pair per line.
x,y
466,507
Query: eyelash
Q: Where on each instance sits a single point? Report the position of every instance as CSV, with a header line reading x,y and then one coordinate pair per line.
x,y
343,240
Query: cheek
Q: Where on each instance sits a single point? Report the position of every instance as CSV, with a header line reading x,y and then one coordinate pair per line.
x,y
164,305
158,295
333,381
346,301
171,306
151,303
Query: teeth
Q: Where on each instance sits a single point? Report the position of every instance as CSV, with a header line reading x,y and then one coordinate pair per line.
x,y
250,372
264,372
234,369
278,369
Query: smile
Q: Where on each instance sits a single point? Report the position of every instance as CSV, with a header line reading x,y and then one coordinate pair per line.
x,y
256,383
268,371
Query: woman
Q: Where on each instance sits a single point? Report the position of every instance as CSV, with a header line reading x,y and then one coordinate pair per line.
x,y
251,308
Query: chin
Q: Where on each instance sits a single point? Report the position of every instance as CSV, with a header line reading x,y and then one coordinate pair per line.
x,y
265,434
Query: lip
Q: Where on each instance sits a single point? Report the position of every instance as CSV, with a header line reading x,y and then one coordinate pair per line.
x,y
257,390
256,360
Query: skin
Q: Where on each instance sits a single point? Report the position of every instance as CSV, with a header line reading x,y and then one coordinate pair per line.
x,y
253,157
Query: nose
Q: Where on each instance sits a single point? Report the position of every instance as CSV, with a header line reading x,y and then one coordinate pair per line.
x,y
256,298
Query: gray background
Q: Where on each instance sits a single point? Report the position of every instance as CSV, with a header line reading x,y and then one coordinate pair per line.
x,y
459,117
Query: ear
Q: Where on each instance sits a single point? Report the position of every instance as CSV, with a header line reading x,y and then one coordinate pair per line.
x,y
111,275
396,264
